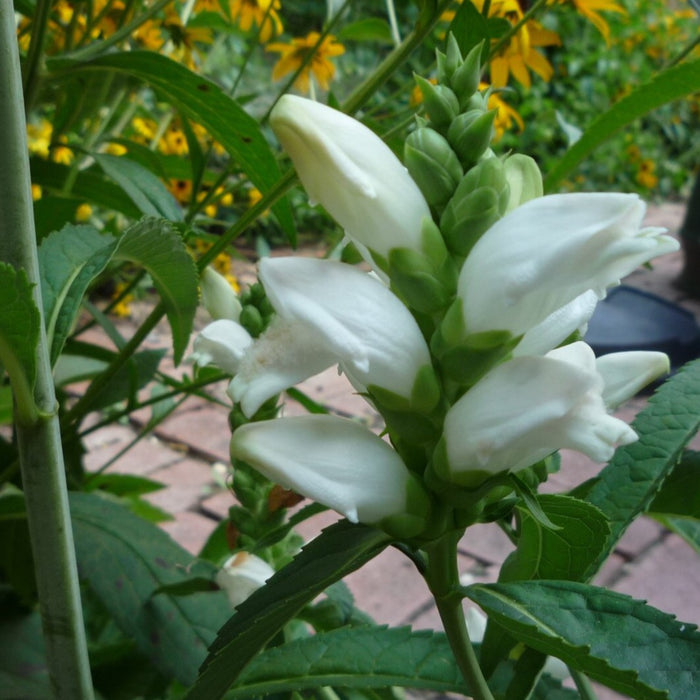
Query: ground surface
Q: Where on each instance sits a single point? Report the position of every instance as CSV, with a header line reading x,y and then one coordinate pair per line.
x,y
190,449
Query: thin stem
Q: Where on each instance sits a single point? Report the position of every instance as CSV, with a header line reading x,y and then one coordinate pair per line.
x,y
391,12
442,577
505,39
35,52
583,685
40,453
685,51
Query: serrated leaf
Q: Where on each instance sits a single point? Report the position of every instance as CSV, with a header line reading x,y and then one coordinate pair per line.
x,y
205,103
680,493
19,335
125,560
144,189
23,670
668,85
355,657
336,552
626,486
621,642
156,245
69,260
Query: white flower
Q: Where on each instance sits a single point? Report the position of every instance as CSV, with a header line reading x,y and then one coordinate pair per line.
x,y
222,343
242,575
329,313
549,251
218,297
352,173
527,408
337,462
626,373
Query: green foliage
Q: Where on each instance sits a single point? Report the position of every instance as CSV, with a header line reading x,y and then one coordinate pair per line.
x,y
23,672
623,643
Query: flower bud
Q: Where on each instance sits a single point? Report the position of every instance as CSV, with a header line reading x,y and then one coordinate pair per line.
x,y
433,165
465,79
218,296
440,102
352,173
463,222
242,575
470,134
340,464
524,180
453,59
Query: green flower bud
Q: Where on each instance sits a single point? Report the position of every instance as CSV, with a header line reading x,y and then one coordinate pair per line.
x,y
252,321
433,165
440,102
453,59
489,172
470,134
467,218
465,79
524,180
413,279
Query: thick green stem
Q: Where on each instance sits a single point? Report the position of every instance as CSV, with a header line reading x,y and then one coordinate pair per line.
x,y
583,685
442,576
40,452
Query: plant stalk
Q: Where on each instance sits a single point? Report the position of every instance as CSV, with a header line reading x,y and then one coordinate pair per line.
x,y
40,451
442,577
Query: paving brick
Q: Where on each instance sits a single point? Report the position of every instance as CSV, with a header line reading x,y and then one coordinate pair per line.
x,y
639,536
190,530
217,506
667,577
486,543
186,483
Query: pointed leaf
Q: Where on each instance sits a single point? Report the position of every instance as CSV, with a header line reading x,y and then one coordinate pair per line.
x,y
336,552
686,528
125,560
145,190
69,260
19,335
680,494
205,103
156,245
627,486
627,645
668,85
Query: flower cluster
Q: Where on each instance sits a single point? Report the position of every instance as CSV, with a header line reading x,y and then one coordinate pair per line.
x,y
465,336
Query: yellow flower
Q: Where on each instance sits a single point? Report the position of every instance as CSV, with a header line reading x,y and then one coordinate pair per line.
x,y
144,128
39,138
520,56
207,6
174,142
184,38
149,35
262,13
634,153
295,53
123,308
62,154
36,192
506,116
83,212
116,149
181,190
646,175
590,9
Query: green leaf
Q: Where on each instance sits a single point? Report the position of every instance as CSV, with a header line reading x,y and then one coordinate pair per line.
x,y
470,27
125,560
564,553
205,103
19,335
155,244
688,529
668,85
69,260
23,670
627,486
680,494
123,484
355,657
145,190
623,643
336,552
367,29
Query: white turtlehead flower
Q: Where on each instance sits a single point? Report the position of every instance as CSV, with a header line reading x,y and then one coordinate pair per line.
x,y
218,296
222,343
329,313
626,373
527,408
337,462
549,251
348,169
242,575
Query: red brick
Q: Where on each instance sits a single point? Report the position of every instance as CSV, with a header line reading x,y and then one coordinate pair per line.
x,y
190,530
186,483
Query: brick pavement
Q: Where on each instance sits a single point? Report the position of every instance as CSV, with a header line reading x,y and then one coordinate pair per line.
x,y
189,450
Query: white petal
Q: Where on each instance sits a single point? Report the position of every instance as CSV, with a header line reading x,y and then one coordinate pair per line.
x,y
626,373
353,316
242,575
222,343
218,297
549,251
332,460
352,172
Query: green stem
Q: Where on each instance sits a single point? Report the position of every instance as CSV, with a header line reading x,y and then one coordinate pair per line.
x,y
583,685
442,577
40,453
35,52
505,39
685,51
